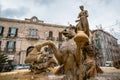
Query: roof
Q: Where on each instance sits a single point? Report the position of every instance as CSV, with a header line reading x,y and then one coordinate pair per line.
x,y
39,22
104,32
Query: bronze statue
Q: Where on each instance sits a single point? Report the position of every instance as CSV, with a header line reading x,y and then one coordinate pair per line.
x,y
83,24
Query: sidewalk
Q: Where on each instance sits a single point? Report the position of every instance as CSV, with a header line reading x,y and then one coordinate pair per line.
x,y
15,72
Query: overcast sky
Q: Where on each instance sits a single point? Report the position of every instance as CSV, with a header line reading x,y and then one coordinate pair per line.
x,y
64,12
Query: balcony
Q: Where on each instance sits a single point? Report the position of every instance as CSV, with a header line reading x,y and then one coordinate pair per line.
x,y
32,37
51,38
11,36
9,49
60,39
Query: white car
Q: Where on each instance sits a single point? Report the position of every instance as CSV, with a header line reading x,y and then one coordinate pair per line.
x,y
109,64
18,67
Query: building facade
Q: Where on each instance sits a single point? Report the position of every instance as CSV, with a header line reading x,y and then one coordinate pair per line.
x,y
107,45
17,35
117,61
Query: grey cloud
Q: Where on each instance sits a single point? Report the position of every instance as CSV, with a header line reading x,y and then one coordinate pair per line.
x,y
14,12
106,2
44,2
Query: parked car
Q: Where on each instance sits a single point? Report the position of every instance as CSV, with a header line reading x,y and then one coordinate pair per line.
x,y
109,64
22,66
18,67
26,66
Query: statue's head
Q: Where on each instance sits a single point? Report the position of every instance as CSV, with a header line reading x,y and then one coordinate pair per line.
x,y
69,32
82,7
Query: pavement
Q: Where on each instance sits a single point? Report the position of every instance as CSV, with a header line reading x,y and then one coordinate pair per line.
x,y
110,69
15,72
110,73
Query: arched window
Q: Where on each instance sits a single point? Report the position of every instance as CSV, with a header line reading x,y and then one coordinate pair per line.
x,y
50,34
60,36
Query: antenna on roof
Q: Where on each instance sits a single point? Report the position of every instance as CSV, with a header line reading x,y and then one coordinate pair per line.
x,y
99,26
68,23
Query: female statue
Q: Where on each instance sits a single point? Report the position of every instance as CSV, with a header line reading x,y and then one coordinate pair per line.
x,y
83,22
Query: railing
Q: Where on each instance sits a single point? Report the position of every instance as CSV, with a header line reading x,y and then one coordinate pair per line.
x,y
9,49
60,39
51,38
32,37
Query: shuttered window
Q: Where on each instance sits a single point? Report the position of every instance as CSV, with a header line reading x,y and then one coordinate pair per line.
x,y
13,32
11,45
33,32
1,30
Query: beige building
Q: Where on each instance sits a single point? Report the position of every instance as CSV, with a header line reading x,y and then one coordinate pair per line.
x,y
117,61
17,35
108,47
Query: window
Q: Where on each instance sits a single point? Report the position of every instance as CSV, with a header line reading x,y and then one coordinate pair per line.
x,y
12,32
50,34
60,36
33,32
11,45
50,37
98,44
1,30
97,36
34,20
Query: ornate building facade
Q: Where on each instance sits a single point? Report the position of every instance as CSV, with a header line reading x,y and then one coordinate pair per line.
x,y
17,35
108,47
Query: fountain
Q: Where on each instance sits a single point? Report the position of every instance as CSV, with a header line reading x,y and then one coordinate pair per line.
x,y
75,56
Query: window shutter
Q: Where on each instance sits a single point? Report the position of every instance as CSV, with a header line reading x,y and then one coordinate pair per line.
x,y
60,36
14,45
9,32
0,44
50,34
16,32
7,45
2,30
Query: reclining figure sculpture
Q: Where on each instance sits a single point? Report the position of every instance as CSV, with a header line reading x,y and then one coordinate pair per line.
x,y
43,63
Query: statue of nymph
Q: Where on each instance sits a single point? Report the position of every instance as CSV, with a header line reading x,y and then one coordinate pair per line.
x,y
83,24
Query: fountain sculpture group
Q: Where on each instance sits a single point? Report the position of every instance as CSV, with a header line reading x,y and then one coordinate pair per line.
x,y
75,56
